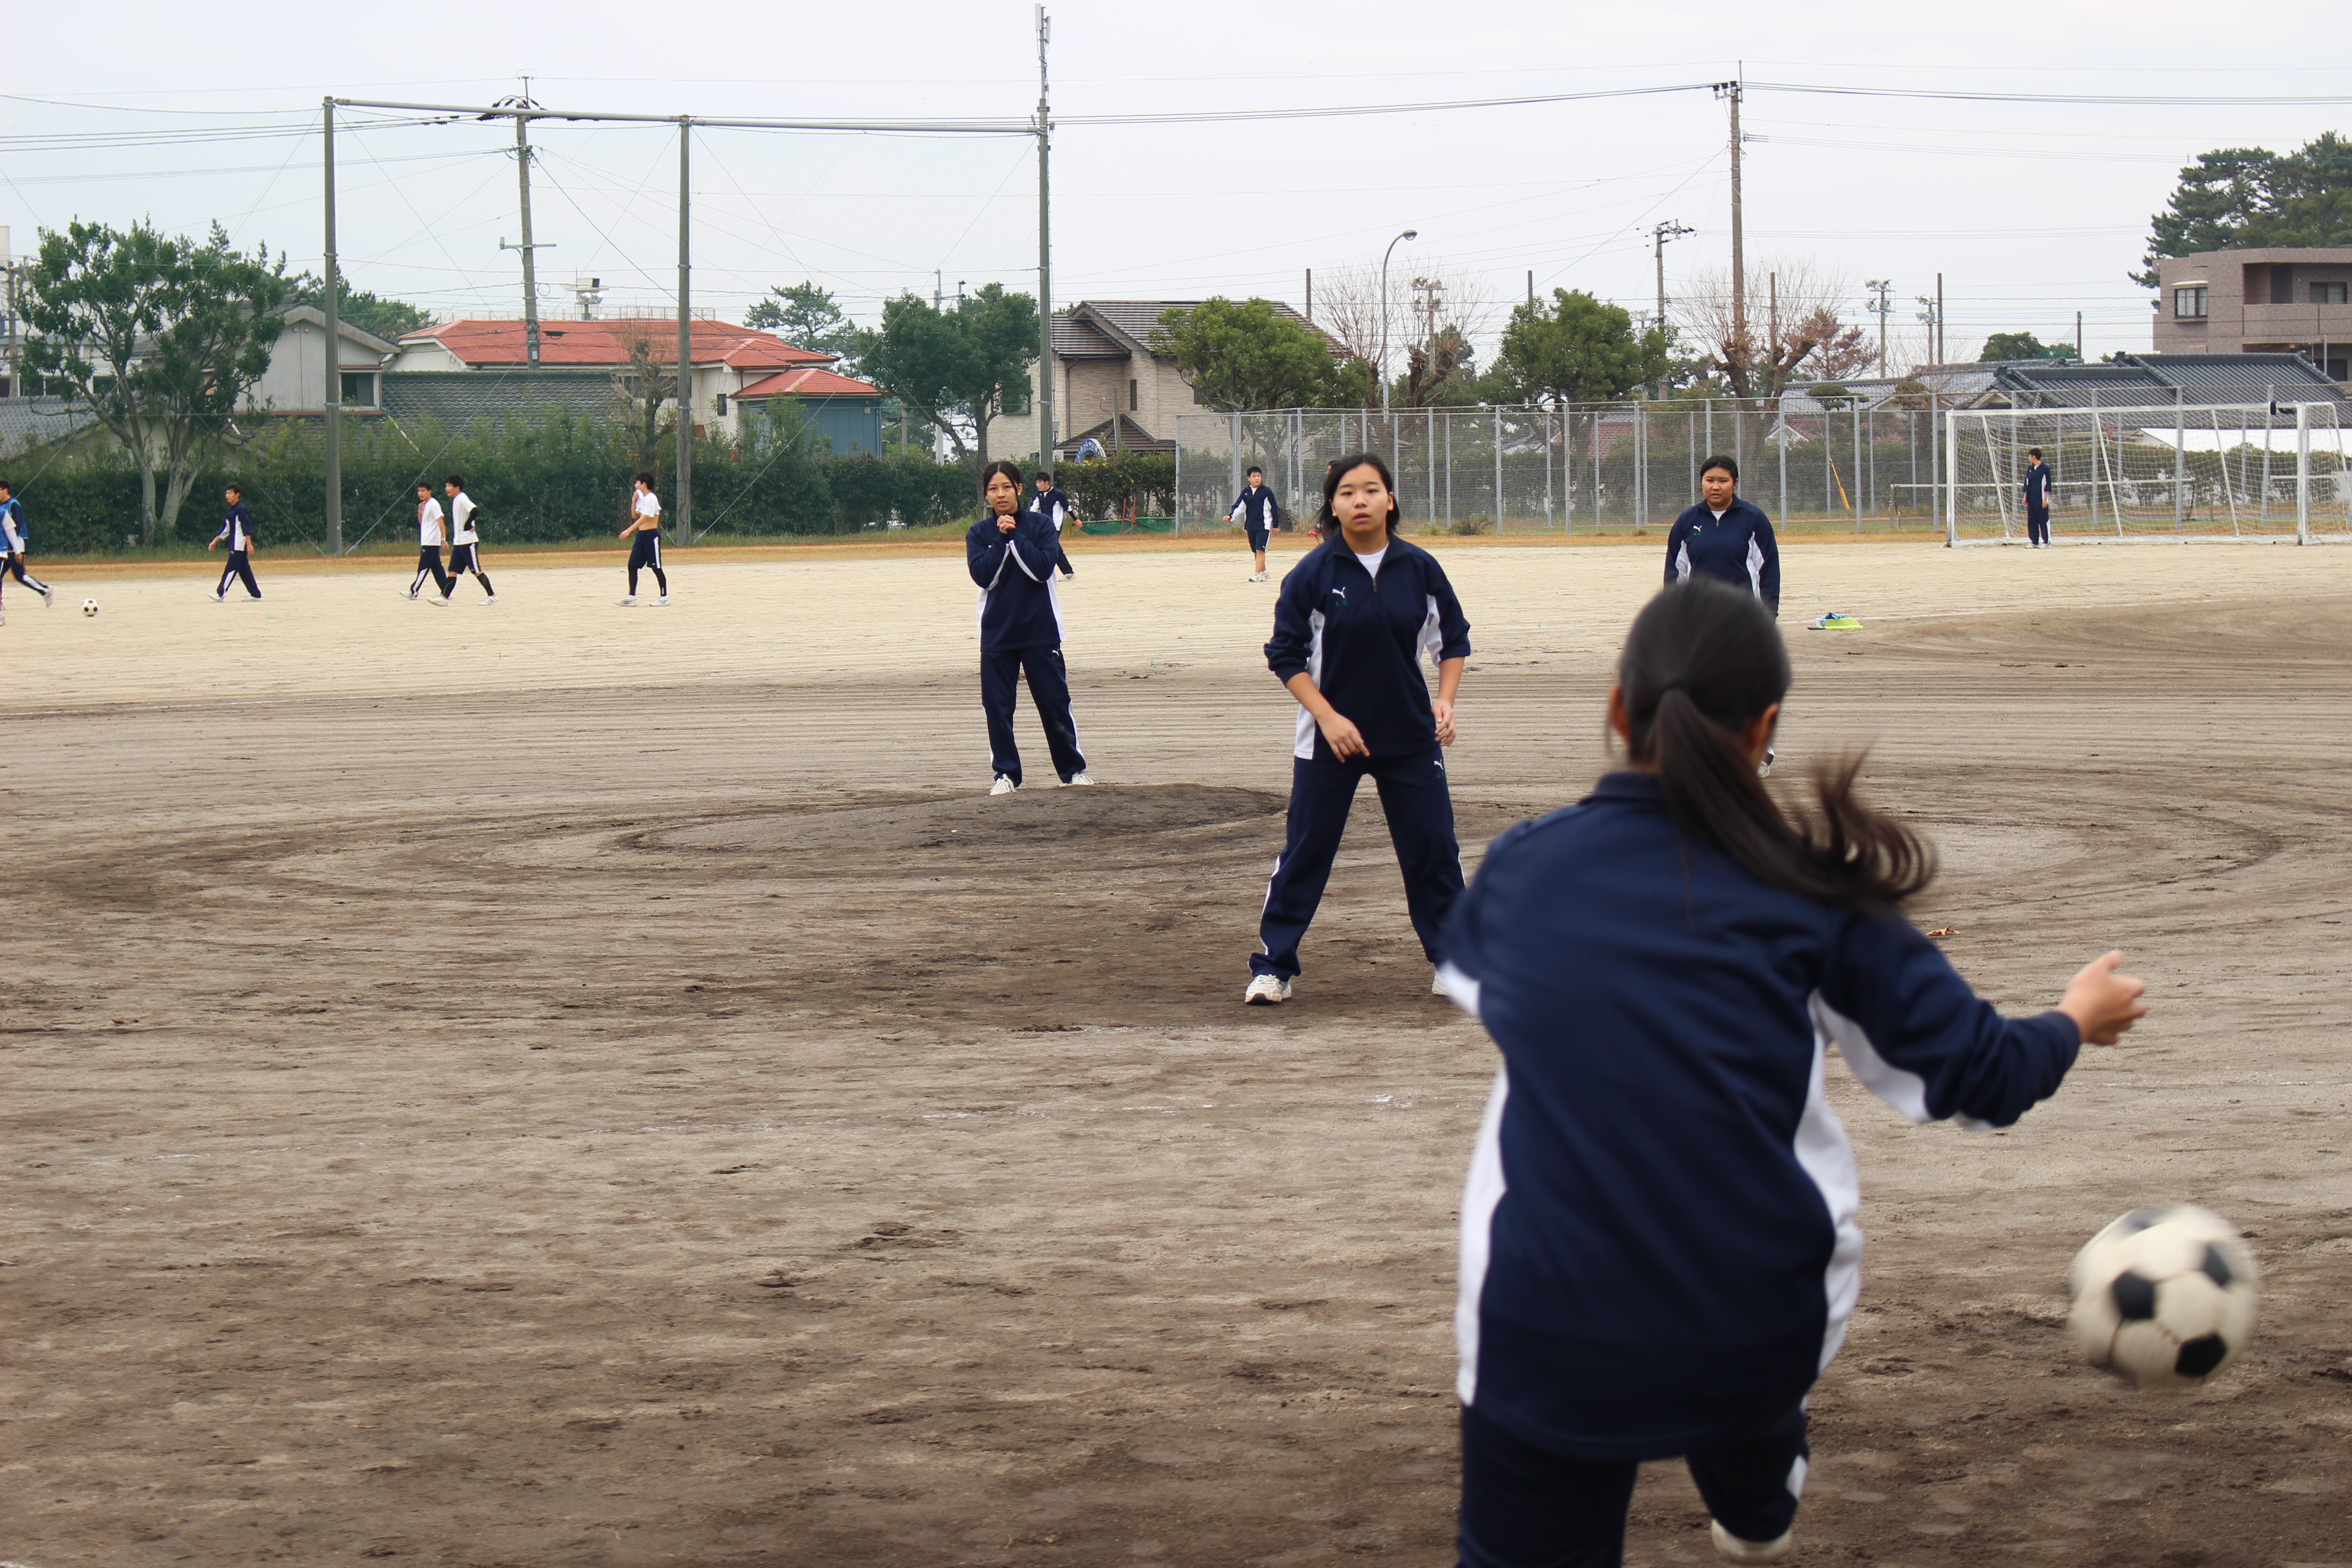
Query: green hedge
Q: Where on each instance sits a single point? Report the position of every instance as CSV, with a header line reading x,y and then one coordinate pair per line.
x,y
559,477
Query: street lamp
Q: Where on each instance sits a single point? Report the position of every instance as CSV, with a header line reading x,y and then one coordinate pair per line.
x,y
1408,234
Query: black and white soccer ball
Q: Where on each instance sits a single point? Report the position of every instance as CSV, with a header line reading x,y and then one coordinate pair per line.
x,y
2164,1297
89,606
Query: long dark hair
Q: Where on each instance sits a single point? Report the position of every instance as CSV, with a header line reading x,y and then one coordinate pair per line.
x,y
1326,523
1703,660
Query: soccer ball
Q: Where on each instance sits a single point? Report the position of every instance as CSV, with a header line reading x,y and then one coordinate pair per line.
x,y
2164,1297
89,606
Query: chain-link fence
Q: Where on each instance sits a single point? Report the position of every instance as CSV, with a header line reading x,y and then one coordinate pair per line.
x,y
1581,469
2230,471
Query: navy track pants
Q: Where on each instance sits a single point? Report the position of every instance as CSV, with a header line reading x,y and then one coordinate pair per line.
x,y
1420,810
428,565
1524,1508
2037,525
237,568
1049,688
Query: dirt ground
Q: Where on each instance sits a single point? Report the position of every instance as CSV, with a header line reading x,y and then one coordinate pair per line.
x,y
390,1179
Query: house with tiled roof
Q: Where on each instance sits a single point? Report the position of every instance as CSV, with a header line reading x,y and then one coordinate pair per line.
x,y
730,367
1110,383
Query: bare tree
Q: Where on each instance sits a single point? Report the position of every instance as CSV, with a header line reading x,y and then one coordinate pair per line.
x,y
1350,312
1777,341
645,380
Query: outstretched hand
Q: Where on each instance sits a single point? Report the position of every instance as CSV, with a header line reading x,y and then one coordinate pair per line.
x,y
2103,1003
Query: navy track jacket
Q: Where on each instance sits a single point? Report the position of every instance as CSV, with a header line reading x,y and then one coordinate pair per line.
x,y
1740,550
1017,604
1658,1236
1362,638
1256,508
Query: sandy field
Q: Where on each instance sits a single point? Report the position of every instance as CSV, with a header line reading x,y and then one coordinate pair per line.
x,y
390,1179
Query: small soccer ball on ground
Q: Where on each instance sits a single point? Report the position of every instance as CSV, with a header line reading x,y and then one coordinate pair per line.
x,y
89,606
2164,1297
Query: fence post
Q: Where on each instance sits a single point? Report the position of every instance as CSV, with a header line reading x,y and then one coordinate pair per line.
x,y
2303,473
1948,432
1499,470
1780,425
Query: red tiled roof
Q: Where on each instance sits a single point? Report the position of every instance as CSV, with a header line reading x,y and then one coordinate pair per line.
x,y
812,381
606,343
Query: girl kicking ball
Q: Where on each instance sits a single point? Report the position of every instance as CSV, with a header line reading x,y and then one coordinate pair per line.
x,y
1351,625
1659,1252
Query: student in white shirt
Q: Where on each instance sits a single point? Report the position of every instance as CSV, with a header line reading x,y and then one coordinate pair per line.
x,y
428,548
465,539
644,550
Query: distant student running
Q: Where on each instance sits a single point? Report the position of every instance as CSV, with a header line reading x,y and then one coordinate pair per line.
x,y
1351,624
12,534
1054,507
236,532
1726,538
1659,1252
1010,555
428,548
645,548
465,539
1260,515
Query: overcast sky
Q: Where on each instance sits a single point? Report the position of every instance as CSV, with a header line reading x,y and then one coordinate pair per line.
x,y
2031,212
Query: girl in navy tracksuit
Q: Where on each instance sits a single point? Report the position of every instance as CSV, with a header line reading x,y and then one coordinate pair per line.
x,y
1659,1252
1012,553
1351,625
1726,538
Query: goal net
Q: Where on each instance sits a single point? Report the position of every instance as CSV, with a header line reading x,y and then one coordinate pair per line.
x,y
2161,472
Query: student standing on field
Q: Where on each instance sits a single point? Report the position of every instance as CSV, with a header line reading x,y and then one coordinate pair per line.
x,y
465,539
1010,553
1259,514
1659,1248
236,532
428,548
1726,538
645,535
1054,508
2038,484
1351,624
12,534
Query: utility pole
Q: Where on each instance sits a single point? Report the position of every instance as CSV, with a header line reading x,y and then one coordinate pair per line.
x,y
335,399
684,498
1940,347
1663,232
2078,338
1310,294
1045,255
1879,307
1731,90
529,263
1430,289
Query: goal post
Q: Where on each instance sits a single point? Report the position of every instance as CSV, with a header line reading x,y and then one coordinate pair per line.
x,y
2166,471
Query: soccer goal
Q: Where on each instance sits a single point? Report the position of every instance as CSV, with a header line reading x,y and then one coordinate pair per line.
x,y
2167,472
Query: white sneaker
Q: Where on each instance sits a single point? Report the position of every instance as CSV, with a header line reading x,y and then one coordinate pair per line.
x,y
491,600
1257,577
221,598
1437,985
1080,778
1002,786
440,604
410,595
1265,990
1729,1545
629,602
48,597
660,601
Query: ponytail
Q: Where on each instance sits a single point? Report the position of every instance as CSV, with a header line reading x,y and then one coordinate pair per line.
x,y
1703,660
